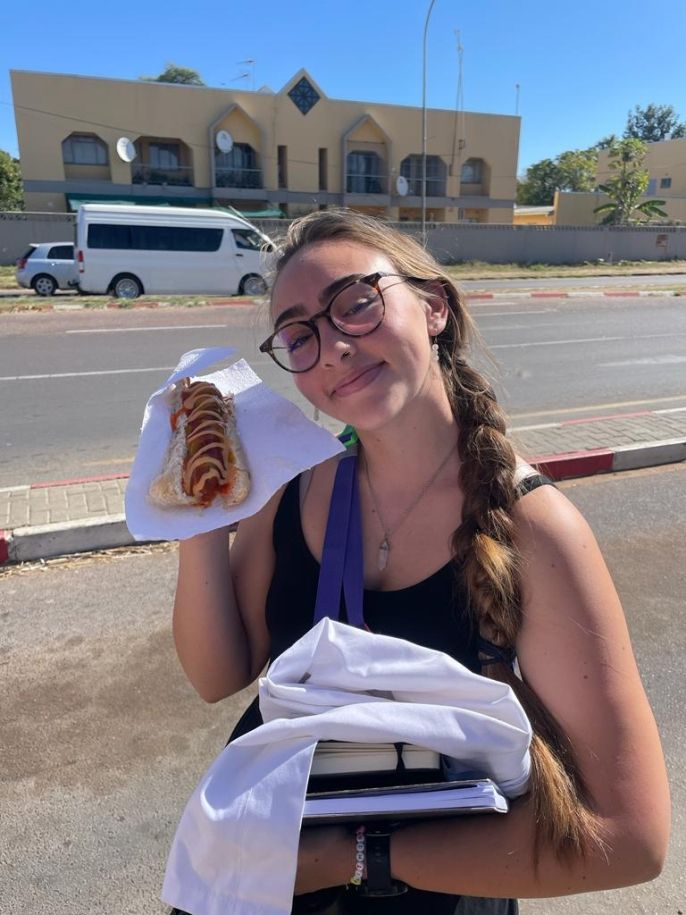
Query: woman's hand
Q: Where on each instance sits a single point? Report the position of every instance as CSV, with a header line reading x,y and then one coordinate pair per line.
x,y
326,857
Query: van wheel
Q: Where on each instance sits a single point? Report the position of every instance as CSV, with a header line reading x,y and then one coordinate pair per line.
x,y
126,286
43,284
252,285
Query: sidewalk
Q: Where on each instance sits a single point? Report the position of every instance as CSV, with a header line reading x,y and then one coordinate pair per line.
x,y
44,520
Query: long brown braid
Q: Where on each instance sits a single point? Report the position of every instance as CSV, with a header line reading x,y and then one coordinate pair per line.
x,y
485,552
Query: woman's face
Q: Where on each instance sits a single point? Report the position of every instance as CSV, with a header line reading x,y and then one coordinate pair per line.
x,y
365,381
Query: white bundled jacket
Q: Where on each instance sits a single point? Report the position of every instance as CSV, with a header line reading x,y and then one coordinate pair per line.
x,y
235,849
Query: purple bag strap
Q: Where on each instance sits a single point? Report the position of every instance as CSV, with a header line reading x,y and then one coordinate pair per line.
x,y
342,564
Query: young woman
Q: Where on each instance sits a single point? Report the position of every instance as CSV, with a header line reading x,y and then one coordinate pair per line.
x,y
465,550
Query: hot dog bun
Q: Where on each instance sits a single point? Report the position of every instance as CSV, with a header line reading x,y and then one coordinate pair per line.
x,y
205,463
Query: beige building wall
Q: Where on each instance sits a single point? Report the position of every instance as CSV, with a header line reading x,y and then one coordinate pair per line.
x,y
365,144
666,165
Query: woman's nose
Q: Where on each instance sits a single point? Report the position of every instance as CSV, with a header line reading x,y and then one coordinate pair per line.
x,y
334,345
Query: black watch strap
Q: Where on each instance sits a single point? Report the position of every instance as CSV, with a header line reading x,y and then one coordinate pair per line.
x,y
378,851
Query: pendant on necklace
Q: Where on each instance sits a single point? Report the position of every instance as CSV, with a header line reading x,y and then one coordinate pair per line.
x,y
384,550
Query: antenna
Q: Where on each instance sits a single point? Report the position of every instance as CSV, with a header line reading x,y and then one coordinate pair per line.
x,y
459,138
248,62
517,87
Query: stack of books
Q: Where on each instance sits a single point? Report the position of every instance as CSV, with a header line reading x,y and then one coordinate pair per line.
x,y
381,782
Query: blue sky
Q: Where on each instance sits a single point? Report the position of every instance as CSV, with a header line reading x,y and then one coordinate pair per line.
x,y
580,66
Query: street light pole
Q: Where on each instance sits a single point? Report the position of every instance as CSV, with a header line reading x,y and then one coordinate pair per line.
x,y
426,33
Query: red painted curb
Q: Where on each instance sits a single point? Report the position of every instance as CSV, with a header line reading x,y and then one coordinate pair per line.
x,y
548,295
471,297
103,479
5,537
574,463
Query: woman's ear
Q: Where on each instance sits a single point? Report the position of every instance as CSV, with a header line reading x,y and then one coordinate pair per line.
x,y
437,307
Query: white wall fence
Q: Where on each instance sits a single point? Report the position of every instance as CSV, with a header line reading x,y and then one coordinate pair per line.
x,y
450,243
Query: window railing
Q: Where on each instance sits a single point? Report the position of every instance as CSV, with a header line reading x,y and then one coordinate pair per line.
x,y
435,187
365,184
151,174
239,177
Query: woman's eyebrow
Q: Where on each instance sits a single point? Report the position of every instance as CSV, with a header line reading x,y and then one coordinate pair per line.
x,y
325,296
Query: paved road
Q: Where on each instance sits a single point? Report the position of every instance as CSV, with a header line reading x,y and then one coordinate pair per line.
x,y
76,384
104,738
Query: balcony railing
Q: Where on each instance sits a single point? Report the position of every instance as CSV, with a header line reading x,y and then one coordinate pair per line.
x,y
239,177
151,174
435,187
365,184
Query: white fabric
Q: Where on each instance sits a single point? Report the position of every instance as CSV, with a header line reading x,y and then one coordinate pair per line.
x,y
235,850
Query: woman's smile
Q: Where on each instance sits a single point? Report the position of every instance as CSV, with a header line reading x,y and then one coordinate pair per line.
x,y
357,380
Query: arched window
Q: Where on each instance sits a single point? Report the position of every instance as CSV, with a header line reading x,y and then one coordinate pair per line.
x,y
363,173
238,168
472,172
436,171
84,149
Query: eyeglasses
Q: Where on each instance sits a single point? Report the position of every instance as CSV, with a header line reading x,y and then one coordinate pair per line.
x,y
356,310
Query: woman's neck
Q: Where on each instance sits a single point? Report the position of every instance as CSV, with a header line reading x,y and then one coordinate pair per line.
x,y
410,447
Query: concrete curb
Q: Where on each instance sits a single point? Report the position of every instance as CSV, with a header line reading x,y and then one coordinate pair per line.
x,y
469,296
30,544
46,541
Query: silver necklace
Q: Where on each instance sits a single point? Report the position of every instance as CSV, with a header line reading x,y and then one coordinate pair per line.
x,y
388,532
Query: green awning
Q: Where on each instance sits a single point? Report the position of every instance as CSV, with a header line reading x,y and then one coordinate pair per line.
x,y
74,201
274,213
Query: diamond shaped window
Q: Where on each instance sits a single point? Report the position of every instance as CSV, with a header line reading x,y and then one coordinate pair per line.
x,y
304,96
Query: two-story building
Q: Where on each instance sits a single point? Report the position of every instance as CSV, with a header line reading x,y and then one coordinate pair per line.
x,y
287,152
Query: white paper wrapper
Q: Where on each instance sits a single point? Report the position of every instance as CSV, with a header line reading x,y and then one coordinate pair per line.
x,y
279,442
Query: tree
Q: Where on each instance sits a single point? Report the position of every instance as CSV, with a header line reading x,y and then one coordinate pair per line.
x,y
573,170
175,74
11,189
626,186
654,123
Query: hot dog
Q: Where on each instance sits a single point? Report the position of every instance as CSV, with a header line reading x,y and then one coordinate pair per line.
x,y
205,462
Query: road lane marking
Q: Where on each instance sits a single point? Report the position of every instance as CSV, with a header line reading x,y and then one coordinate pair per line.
x,y
507,314
598,406
135,330
164,368
667,359
584,340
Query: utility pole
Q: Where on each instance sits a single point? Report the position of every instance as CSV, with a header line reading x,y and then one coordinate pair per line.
x,y
426,32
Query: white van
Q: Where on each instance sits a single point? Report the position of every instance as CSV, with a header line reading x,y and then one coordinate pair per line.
x,y
127,251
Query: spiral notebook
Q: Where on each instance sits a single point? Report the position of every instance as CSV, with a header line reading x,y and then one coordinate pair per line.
x,y
398,802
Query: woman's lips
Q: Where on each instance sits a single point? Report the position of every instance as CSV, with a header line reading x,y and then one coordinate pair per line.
x,y
358,381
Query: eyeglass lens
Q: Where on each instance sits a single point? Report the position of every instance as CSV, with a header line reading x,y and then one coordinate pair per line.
x,y
356,310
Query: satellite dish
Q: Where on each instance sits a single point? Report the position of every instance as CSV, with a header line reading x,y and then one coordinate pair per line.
x,y
401,185
125,149
224,141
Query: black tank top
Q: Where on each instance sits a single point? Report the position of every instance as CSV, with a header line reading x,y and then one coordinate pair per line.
x,y
432,613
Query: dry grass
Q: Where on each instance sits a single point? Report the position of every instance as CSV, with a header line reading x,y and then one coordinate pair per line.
x,y
478,270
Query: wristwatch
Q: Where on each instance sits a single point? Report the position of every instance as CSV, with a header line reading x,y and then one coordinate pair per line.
x,y
379,881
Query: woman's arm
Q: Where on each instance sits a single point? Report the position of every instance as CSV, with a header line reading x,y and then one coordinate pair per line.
x,y
219,626
574,650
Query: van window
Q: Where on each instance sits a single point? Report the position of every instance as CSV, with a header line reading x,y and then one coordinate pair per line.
x,y
154,238
248,238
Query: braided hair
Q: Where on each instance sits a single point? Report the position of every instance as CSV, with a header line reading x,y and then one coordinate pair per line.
x,y
485,553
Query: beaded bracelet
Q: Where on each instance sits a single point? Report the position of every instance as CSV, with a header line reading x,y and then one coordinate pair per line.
x,y
360,856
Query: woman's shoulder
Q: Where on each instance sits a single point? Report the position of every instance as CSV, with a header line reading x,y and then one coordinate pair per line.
x,y
542,512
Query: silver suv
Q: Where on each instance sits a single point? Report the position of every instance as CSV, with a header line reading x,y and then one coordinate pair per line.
x,y
48,267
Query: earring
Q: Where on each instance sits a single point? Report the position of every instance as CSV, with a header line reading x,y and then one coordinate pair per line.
x,y
434,351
